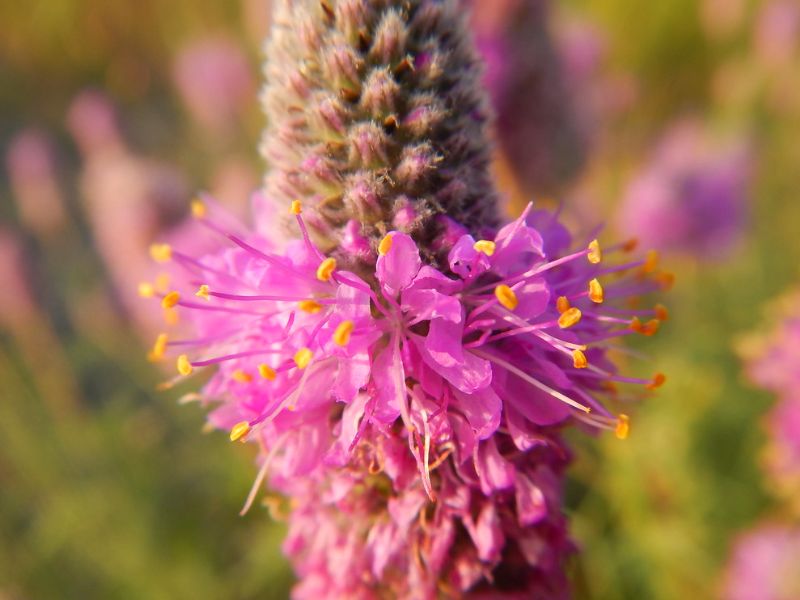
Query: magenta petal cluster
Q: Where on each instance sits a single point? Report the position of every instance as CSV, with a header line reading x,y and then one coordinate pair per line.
x,y
411,411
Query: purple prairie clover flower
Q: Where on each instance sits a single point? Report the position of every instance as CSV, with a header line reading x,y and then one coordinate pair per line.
x,y
535,125
215,82
691,196
771,361
782,453
17,305
763,565
777,33
403,365
33,174
446,381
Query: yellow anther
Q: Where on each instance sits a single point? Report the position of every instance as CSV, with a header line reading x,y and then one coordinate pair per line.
x,y
651,327
579,360
662,314
162,282
595,255
239,431
146,290
651,261
342,334
267,372
161,252
326,269
309,306
202,292
569,318
171,316
659,379
159,348
385,245
303,357
485,246
595,291
636,325
630,245
562,304
184,366
623,427
506,296
171,300
297,207
666,280
198,209
242,376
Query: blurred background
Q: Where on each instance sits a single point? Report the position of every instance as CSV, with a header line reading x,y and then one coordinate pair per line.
x,y
675,123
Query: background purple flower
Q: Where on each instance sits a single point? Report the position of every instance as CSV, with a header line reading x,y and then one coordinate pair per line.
x,y
692,195
215,81
32,171
773,363
535,123
764,565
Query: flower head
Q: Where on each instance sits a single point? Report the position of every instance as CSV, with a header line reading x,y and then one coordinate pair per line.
x,y
403,365
441,380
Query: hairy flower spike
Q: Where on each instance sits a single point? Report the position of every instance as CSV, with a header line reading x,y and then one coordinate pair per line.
x,y
371,102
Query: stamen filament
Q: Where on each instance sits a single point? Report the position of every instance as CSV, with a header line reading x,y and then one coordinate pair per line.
x,y
534,382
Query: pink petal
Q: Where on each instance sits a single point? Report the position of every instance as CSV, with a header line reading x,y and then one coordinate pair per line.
x,y
398,267
486,534
531,504
494,471
482,409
